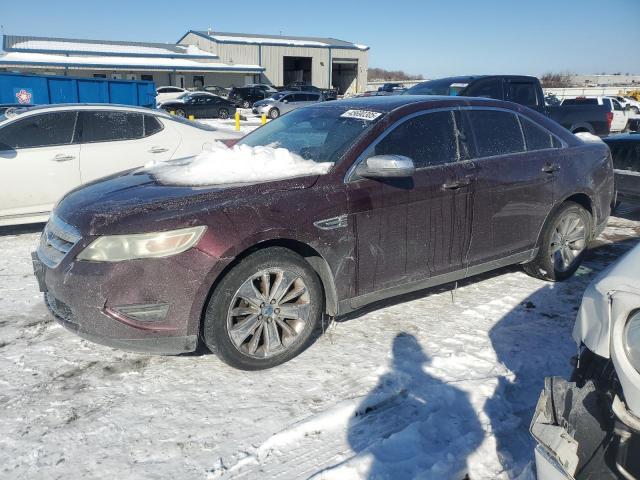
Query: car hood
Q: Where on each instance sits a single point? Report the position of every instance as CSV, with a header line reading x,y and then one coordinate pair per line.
x,y
135,202
266,101
620,282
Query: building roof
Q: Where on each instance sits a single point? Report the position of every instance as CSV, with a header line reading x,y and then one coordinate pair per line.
x,y
278,40
98,62
20,43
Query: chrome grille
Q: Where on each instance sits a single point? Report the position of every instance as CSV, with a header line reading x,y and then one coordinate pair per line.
x,y
56,240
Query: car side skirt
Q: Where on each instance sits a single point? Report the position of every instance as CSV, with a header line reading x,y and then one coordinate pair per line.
x,y
348,305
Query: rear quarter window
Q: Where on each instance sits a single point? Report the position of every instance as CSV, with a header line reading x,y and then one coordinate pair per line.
x,y
536,137
496,132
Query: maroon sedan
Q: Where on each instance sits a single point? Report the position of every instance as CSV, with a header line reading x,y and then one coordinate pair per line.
x,y
423,191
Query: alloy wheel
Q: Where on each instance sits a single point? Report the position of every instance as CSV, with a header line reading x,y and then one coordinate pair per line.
x,y
268,313
568,241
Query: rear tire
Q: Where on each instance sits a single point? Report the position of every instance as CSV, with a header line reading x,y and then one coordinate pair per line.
x,y
565,238
246,104
264,311
180,113
274,113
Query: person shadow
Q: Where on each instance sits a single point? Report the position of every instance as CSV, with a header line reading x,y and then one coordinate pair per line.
x,y
412,425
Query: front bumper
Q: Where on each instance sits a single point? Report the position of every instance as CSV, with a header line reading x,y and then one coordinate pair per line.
x,y
89,298
579,436
261,110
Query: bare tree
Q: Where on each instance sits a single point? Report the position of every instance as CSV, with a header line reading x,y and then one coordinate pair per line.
x,y
382,74
556,80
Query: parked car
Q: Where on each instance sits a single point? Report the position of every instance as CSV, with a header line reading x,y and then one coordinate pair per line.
x,y
283,102
391,88
164,94
625,150
245,97
252,267
619,118
630,102
589,427
200,105
216,90
8,106
46,151
328,93
525,91
263,86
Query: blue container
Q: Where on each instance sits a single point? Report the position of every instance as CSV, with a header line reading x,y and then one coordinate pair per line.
x,y
41,89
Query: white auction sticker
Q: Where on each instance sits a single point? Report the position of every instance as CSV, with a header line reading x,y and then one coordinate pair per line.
x,y
361,114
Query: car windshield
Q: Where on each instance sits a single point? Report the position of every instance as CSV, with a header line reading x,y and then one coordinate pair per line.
x,y
445,86
321,134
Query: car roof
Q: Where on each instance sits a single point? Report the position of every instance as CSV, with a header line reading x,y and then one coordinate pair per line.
x,y
85,106
387,103
623,138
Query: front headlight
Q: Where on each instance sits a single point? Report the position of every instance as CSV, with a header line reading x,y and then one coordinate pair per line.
x,y
632,340
115,248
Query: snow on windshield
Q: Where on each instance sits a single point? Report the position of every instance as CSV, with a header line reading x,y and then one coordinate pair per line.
x,y
239,164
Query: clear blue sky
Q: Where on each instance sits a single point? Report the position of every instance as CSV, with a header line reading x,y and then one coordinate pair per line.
x,y
431,37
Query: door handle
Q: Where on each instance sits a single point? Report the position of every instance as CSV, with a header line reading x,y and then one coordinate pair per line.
x,y
457,184
61,157
158,150
551,168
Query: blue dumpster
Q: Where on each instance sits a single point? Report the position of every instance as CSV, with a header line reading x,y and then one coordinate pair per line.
x,y
42,89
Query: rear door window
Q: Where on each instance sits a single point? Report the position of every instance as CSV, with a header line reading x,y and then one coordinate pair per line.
x,y
536,137
487,88
44,130
105,126
496,132
626,157
428,139
523,93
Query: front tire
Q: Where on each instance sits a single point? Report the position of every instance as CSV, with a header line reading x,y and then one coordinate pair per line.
x,y
264,311
246,104
274,113
223,113
565,238
180,113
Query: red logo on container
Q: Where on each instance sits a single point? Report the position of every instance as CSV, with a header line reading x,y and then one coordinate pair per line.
x,y
23,96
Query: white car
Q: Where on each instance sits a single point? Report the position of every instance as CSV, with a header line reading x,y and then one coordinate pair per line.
x,y
620,116
48,150
589,427
632,103
164,94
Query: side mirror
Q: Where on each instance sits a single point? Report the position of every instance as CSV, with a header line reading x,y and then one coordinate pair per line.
x,y
385,166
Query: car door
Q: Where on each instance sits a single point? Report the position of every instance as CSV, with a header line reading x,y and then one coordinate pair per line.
x,y
114,141
626,162
619,121
411,229
39,162
516,161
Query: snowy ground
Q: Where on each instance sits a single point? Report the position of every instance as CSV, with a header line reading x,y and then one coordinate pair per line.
x,y
251,123
432,385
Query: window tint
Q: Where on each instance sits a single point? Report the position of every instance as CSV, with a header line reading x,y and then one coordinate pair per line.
x,y
616,105
536,137
313,97
491,88
151,125
522,93
496,132
298,97
109,126
626,156
43,130
427,139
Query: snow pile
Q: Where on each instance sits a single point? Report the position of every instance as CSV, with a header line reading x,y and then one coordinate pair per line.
x,y
240,164
588,137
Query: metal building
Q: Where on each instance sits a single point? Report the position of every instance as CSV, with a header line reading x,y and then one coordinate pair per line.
x,y
199,58
323,62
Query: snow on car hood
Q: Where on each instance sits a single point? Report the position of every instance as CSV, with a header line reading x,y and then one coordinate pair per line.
x,y
594,322
222,165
